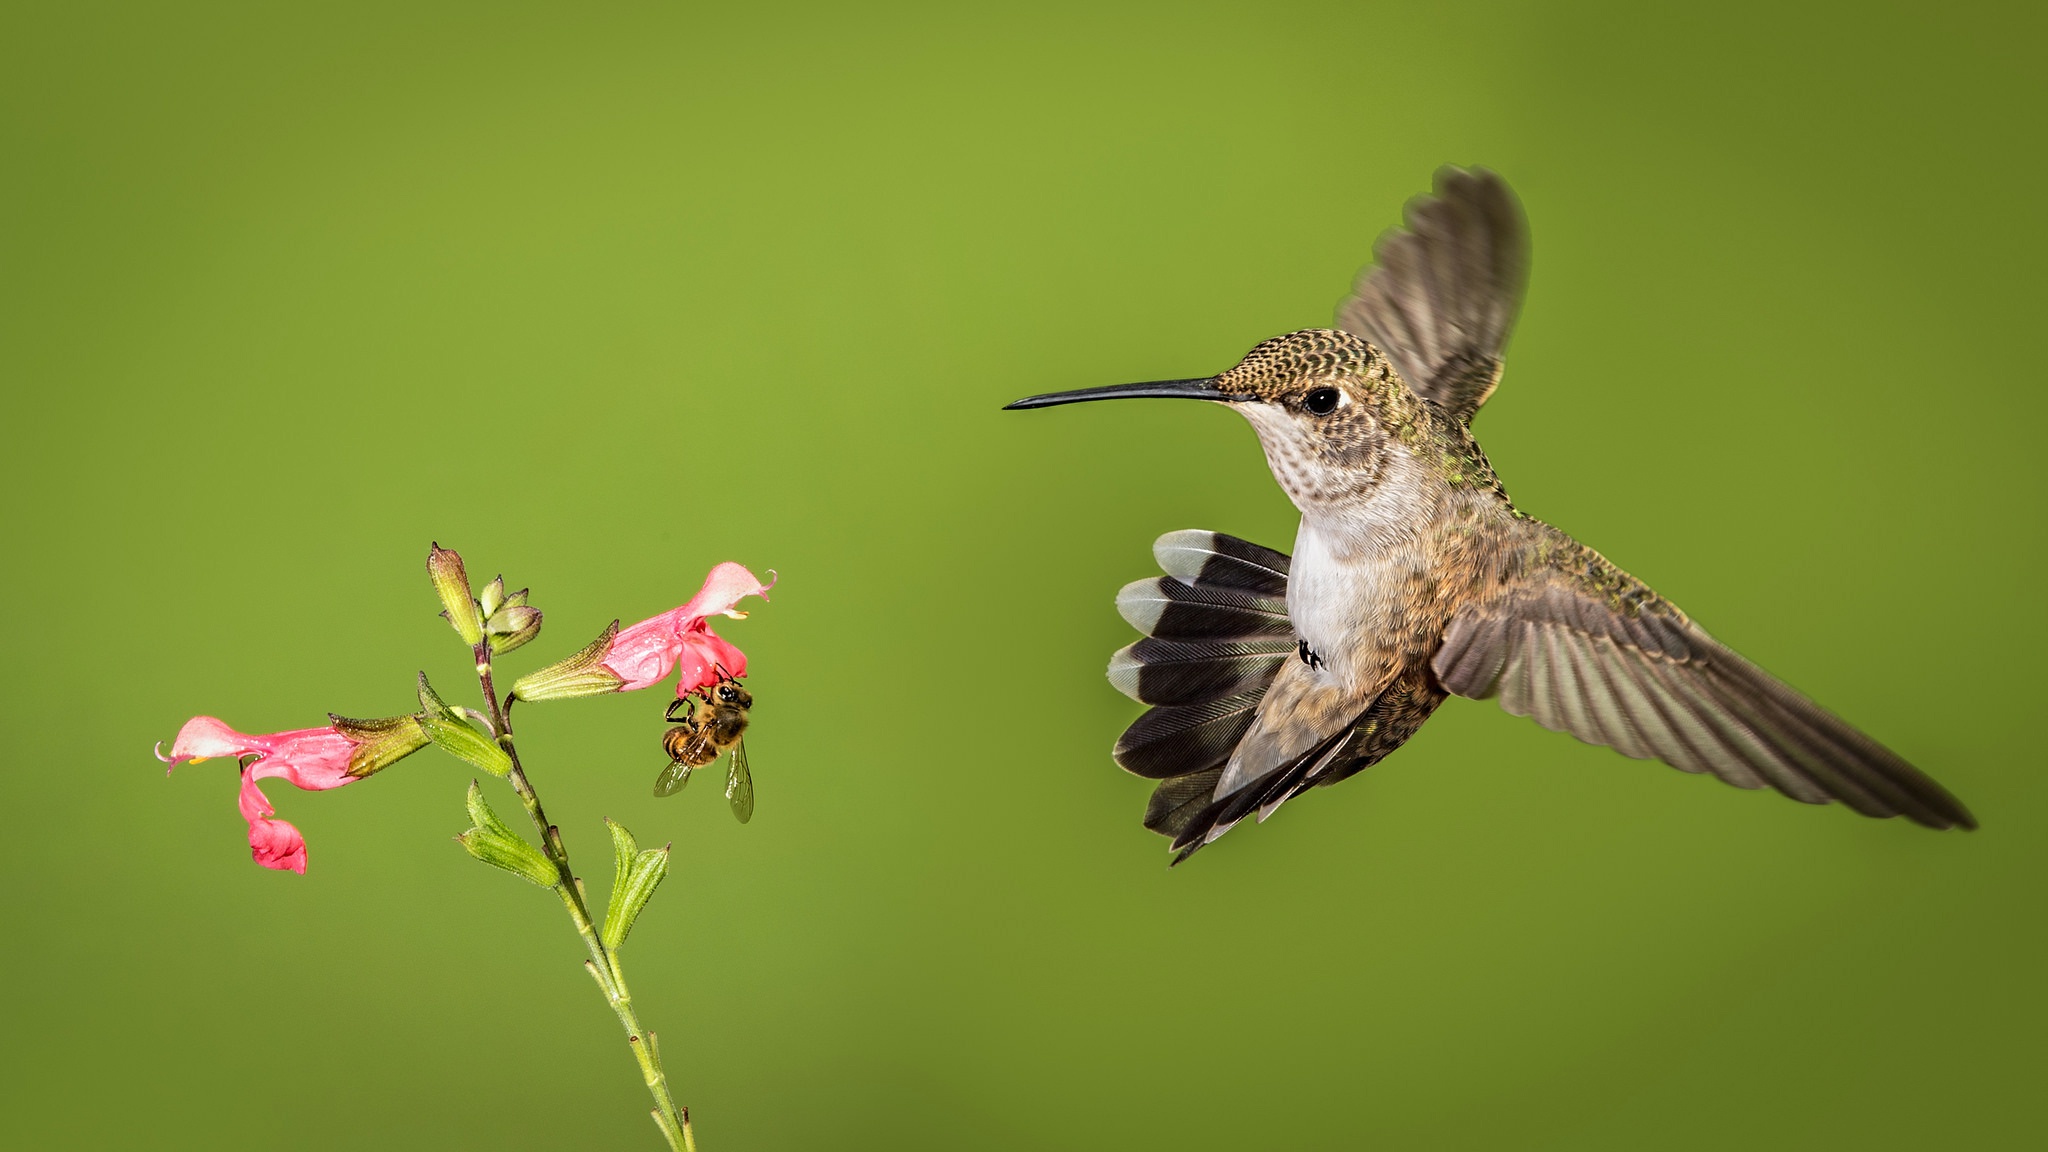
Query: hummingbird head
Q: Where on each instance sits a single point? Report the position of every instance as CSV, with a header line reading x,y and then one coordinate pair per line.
x,y
1327,406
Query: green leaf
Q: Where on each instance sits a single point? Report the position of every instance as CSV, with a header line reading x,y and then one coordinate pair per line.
x,y
624,850
497,845
466,744
635,876
447,728
431,702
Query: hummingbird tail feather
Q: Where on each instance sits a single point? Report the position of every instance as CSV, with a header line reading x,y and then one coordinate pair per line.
x,y
1211,558
1396,714
1216,633
1261,796
1170,742
1176,802
1155,671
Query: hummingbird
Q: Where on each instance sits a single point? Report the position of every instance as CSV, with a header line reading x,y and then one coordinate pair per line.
x,y
1414,577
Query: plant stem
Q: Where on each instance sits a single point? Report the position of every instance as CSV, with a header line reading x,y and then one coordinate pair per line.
x,y
603,965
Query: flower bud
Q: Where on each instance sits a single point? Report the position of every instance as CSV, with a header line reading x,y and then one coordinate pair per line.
x,y
451,583
490,841
511,626
583,674
493,595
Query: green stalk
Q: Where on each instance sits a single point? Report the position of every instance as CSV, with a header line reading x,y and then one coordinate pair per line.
x,y
603,965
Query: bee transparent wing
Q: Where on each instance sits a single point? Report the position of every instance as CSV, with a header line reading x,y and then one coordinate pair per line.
x,y
672,778
739,784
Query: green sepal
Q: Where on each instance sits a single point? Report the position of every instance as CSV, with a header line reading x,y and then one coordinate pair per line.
x,y
583,674
451,584
490,841
454,735
635,875
379,743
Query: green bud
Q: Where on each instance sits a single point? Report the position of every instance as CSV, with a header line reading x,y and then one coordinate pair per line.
x,y
511,626
583,674
494,595
379,743
635,875
451,583
490,841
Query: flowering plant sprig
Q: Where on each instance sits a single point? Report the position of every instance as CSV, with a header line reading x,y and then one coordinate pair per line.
x,y
492,624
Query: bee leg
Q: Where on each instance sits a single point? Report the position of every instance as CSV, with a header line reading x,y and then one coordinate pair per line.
x,y
671,716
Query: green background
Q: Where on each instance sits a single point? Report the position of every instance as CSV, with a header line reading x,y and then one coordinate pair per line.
x,y
602,300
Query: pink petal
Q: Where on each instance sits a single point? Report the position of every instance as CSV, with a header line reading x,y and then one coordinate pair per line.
x,y
204,737
276,844
272,843
724,587
643,654
315,759
704,652
254,804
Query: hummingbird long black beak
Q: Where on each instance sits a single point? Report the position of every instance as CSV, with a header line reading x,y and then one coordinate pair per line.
x,y
1201,389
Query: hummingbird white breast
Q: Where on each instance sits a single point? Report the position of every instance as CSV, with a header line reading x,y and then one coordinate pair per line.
x,y
1352,560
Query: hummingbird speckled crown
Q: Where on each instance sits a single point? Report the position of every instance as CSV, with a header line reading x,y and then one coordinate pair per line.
x,y
1414,578
1276,368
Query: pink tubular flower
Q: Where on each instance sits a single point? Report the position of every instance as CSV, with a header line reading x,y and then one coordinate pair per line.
x,y
644,654
315,759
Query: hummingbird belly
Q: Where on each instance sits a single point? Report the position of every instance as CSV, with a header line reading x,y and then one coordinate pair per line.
x,y
1343,597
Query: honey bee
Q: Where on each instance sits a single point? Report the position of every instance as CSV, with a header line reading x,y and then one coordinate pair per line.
x,y
702,735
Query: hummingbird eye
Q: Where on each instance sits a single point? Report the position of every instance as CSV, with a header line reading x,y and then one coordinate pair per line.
x,y
1322,401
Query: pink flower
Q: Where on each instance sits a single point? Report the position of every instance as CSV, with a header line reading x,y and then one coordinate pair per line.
x,y
645,654
315,759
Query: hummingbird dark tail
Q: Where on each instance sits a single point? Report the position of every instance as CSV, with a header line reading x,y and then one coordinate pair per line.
x,y
1217,633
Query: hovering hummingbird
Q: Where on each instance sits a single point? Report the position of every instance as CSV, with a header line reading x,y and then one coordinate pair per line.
x,y
1414,576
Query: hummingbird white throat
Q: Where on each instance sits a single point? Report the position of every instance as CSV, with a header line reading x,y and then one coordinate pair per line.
x,y
1414,577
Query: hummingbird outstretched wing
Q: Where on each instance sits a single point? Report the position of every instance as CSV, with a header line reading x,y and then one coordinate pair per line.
x,y
1582,647
1443,293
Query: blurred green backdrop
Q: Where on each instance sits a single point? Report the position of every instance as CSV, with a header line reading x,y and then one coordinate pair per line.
x,y
604,299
